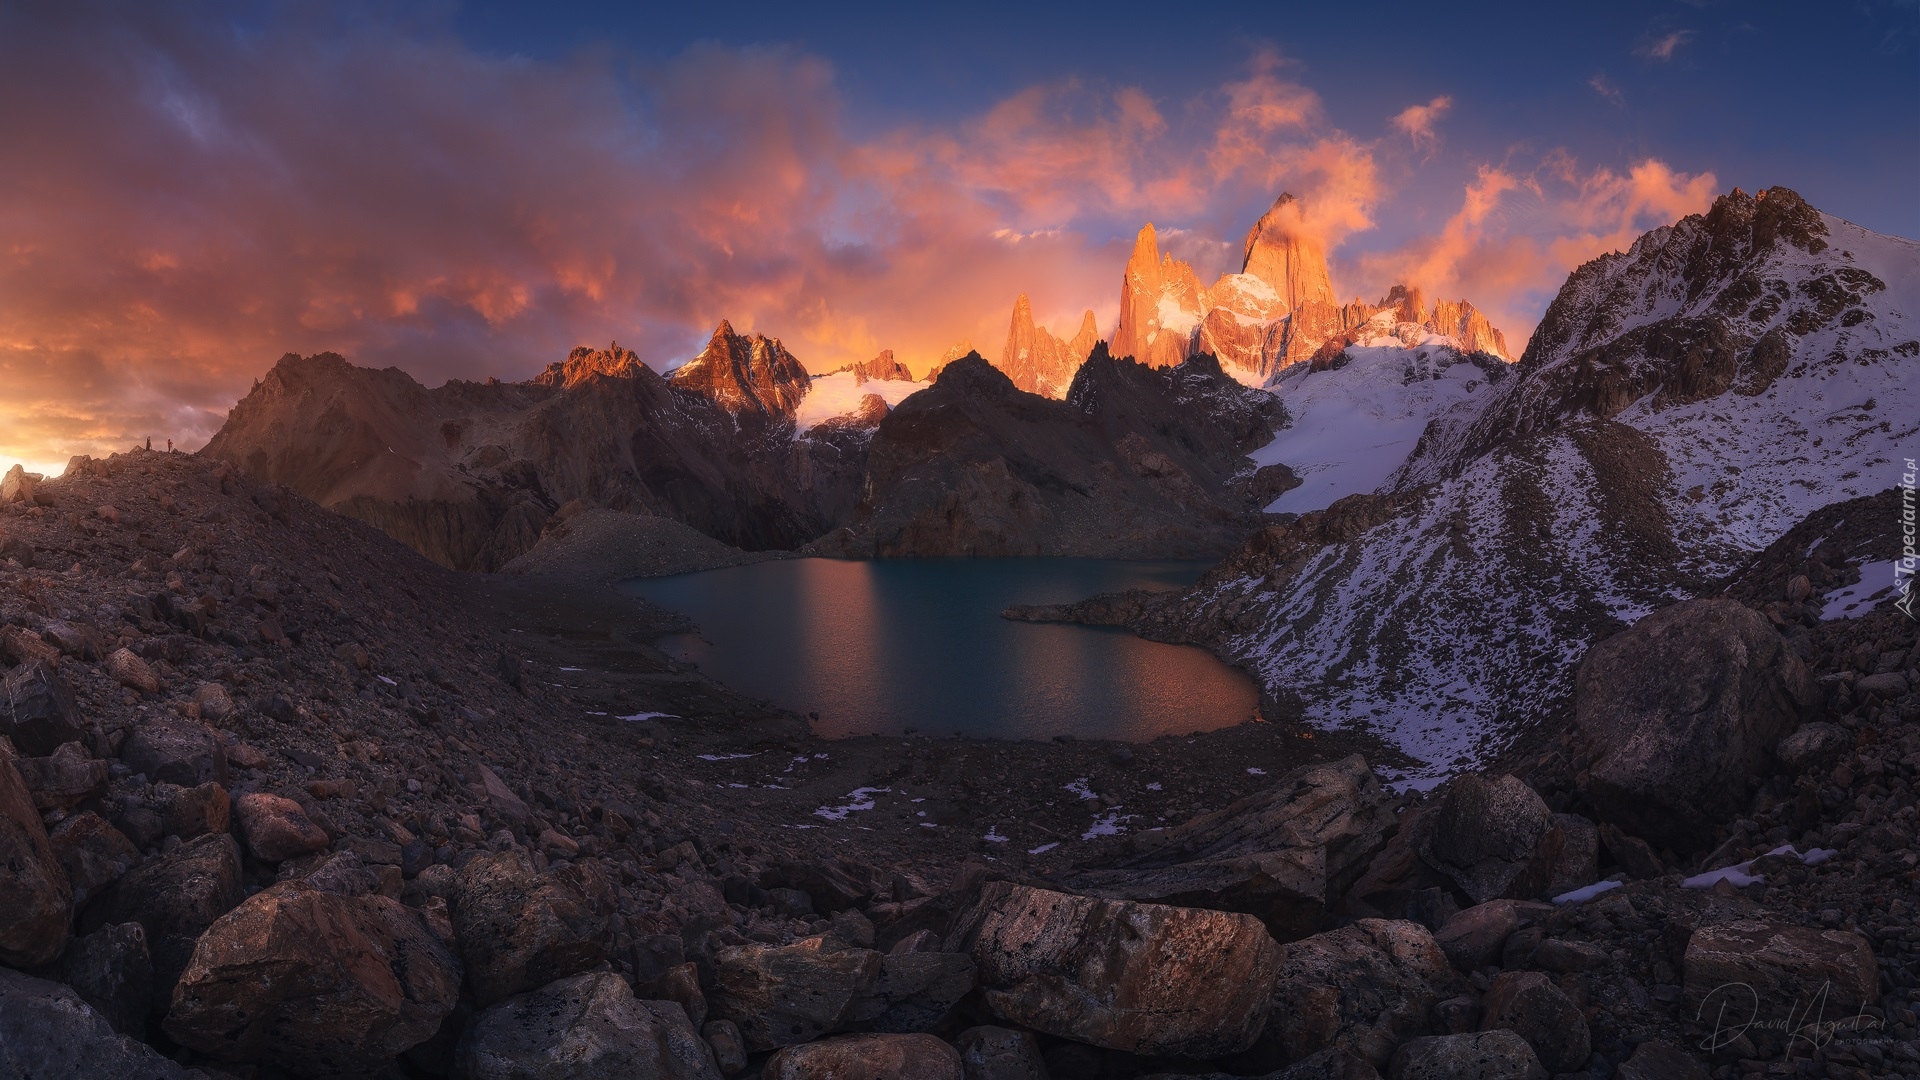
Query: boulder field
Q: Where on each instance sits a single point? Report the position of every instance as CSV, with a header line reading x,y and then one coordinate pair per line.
x,y
276,801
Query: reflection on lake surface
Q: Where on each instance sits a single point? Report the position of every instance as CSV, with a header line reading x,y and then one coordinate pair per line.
x,y
896,645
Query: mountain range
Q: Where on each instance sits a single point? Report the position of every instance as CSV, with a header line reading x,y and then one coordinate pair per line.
x,y
1417,535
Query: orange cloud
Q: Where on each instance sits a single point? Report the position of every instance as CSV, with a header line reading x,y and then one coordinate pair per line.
x,y
1517,235
1417,121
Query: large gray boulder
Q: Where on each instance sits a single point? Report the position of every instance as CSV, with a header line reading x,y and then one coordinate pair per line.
x,y
174,898
314,983
584,1027
519,929
1528,1004
1284,854
1483,1055
36,902
48,1033
1144,978
1487,838
38,710
1674,718
780,995
1363,989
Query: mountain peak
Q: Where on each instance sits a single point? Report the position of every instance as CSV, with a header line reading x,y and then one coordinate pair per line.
x,y
1281,252
745,374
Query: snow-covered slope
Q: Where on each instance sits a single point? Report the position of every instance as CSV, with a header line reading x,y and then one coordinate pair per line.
x,y
1680,407
840,394
1353,424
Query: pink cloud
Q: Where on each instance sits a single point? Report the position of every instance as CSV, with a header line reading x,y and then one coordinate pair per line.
x,y
1417,121
1663,47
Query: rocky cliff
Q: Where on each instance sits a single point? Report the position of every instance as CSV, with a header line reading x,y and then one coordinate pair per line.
x,y
1135,462
1036,360
1161,306
1279,310
469,473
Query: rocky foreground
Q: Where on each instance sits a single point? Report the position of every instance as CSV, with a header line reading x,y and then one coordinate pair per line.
x,y
275,800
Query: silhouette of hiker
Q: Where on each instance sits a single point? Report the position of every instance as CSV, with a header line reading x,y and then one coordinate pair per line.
x,y
149,442
169,446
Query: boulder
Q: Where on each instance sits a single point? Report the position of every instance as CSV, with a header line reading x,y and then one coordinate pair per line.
x,y
1491,838
19,485
501,800
867,1057
915,991
36,902
314,983
1472,939
1143,978
1816,746
130,671
277,829
584,1027
1632,854
997,1053
48,1033
681,984
830,888
112,971
1656,1060
519,929
92,852
780,995
1747,971
1528,1004
729,1049
1674,719
1363,988
174,898
64,779
1284,855
1578,863
176,750
40,711
1885,684
194,811
1483,1055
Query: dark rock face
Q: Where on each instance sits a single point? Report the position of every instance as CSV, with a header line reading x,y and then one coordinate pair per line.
x,y
48,1033
997,1053
519,929
1143,978
1676,718
174,898
93,853
1532,1007
783,995
176,750
36,902
1285,855
1485,836
470,474
1134,462
39,712
584,1027
314,982
112,971
1363,988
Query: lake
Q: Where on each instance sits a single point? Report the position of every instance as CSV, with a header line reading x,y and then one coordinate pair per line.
x,y
918,645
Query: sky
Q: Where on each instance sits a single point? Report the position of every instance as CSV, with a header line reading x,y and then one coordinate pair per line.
x,y
465,190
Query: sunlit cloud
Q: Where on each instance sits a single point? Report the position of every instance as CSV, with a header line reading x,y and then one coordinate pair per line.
x,y
185,203
1663,47
1417,121
1517,234
1606,88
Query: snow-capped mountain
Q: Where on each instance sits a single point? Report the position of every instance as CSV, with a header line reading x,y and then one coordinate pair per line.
x,y
1681,406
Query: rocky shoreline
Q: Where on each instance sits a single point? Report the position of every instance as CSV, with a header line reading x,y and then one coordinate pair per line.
x,y
282,798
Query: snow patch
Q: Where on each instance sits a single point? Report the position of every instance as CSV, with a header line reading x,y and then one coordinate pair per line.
x,y
858,799
1877,582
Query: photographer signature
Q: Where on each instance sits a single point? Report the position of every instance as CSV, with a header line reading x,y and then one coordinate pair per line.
x,y
1735,1011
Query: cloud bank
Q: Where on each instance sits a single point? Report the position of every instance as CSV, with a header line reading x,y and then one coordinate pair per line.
x,y
187,200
